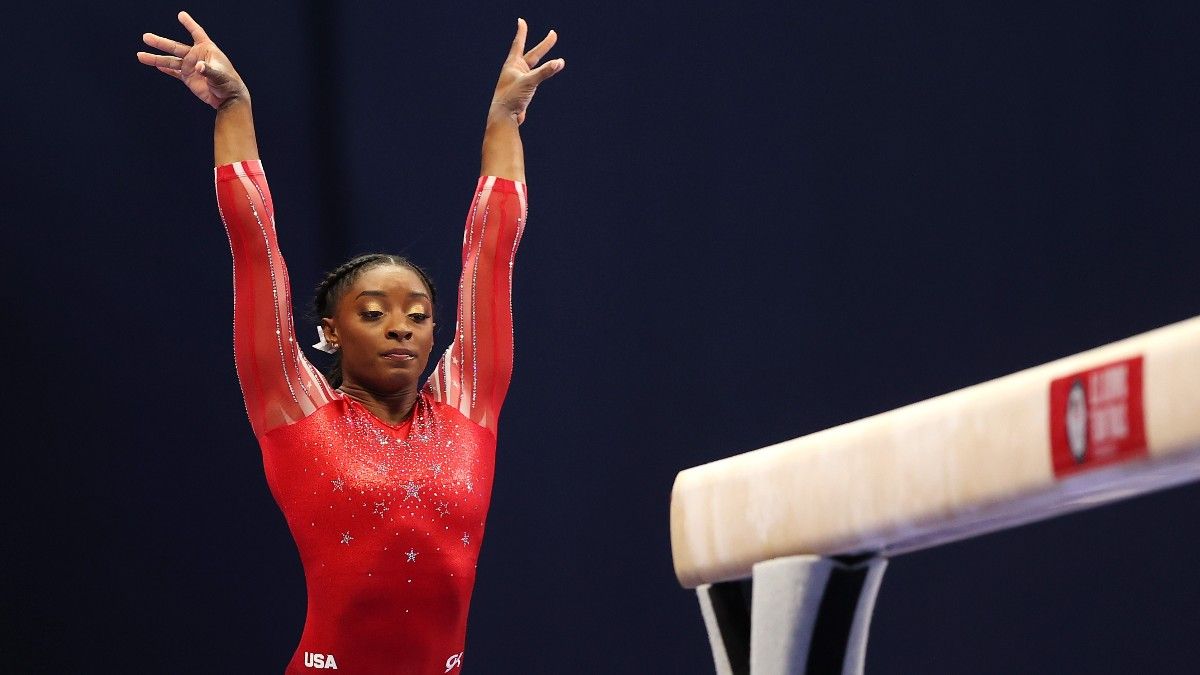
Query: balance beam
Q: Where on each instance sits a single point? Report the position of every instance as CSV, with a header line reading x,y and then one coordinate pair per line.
x,y
1097,427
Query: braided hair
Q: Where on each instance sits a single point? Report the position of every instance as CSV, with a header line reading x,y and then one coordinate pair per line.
x,y
329,292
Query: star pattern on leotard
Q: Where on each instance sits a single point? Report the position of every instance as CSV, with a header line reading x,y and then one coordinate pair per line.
x,y
443,509
338,483
380,509
411,491
466,539
346,538
436,468
410,555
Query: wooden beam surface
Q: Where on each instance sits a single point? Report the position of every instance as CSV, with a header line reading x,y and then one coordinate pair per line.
x,y
1099,426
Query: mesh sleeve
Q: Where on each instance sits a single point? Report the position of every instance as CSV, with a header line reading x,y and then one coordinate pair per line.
x,y
474,373
278,383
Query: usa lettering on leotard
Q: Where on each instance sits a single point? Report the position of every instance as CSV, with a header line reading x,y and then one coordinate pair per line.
x,y
318,660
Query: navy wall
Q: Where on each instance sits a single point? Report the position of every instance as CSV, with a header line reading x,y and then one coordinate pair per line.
x,y
750,221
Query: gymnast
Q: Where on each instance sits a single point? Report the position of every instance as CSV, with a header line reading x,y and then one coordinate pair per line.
x,y
384,483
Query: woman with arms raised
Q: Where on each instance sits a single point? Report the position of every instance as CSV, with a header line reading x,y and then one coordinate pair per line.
x,y
384,484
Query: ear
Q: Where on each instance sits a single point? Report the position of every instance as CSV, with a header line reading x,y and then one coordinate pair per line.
x,y
330,330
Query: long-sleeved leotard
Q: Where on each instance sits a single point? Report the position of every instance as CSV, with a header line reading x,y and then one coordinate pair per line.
x,y
387,519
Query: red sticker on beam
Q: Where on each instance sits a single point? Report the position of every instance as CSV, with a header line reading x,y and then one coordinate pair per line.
x,y
1097,417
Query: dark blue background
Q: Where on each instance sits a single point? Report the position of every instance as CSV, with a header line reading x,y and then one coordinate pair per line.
x,y
749,222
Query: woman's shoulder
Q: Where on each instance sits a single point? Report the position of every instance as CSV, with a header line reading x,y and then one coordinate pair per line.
x,y
319,421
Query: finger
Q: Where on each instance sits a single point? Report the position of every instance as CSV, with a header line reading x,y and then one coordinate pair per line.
x,y
160,60
212,72
198,34
534,55
518,44
165,44
172,72
546,71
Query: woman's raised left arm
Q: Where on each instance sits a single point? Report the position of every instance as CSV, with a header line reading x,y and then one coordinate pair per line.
x,y
474,373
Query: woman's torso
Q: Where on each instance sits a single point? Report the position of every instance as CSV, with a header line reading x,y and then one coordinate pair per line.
x,y
388,522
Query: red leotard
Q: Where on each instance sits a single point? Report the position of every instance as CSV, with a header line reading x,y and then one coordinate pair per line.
x,y
388,520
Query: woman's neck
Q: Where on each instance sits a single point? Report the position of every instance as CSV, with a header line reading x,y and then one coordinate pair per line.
x,y
391,407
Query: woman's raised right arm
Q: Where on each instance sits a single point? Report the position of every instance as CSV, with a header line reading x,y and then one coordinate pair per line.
x,y
280,386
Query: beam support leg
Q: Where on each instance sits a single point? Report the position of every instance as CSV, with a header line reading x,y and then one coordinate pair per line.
x,y
812,615
801,614
726,611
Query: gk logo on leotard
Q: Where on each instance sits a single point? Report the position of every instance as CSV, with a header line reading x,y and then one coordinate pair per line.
x,y
454,661
312,660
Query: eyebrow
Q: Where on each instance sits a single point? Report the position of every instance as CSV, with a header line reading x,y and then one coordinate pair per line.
x,y
381,294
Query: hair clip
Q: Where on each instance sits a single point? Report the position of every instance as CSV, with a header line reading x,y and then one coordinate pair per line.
x,y
323,344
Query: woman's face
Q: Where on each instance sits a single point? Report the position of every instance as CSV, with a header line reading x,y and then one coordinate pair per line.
x,y
383,324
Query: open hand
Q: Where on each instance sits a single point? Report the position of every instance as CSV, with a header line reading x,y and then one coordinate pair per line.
x,y
201,66
519,78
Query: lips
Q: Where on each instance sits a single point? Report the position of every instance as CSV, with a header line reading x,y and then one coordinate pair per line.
x,y
400,354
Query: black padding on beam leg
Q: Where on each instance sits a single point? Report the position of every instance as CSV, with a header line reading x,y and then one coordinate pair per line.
x,y
827,651
731,605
